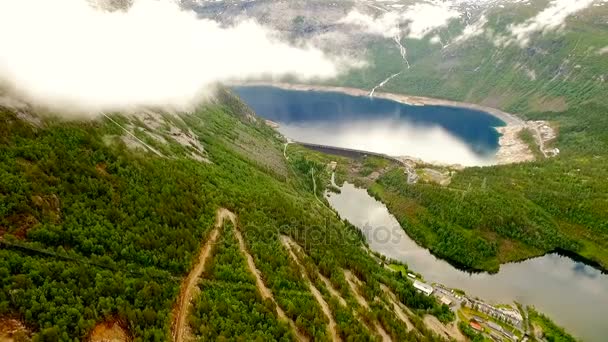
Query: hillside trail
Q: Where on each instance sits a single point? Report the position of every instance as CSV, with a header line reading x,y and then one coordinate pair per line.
x,y
181,330
288,243
451,332
398,307
332,290
264,291
353,283
330,287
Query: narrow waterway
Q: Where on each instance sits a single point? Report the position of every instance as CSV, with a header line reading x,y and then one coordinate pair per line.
x,y
573,294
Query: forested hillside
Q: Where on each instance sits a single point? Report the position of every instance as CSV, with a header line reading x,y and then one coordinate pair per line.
x,y
97,225
492,215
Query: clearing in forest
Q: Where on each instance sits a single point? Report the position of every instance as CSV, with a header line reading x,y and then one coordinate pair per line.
x,y
12,330
287,242
181,330
109,331
354,283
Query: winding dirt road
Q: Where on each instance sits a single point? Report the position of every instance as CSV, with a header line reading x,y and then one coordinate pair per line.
x,y
181,330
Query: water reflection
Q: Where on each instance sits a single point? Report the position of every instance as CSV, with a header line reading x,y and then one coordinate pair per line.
x,y
432,133
573,294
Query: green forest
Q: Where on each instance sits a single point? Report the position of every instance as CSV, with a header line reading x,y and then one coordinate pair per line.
x,y
92,230
229,306
492,215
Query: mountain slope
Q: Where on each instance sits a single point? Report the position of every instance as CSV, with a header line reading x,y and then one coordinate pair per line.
x,y
99,225
540,60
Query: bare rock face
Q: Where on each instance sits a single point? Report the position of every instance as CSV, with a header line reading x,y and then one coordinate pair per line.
x,y
512,148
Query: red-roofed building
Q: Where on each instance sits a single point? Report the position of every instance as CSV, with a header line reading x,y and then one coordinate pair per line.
x,y
475,326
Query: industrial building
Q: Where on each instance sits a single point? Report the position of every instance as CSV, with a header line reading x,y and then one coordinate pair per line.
x,y
424,288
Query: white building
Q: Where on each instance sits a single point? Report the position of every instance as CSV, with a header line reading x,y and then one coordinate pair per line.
x,y
424,288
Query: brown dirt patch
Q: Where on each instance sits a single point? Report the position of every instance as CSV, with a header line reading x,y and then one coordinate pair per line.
x,y
449,331
23,223
110,331
12,330
101,169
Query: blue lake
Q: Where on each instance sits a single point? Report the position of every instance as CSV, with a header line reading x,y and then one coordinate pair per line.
x,y
433,133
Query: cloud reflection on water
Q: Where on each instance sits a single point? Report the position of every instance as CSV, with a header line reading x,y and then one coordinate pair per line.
x,y
392,137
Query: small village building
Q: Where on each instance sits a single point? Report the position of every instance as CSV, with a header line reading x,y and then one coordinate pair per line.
x,y
424,288
494,326
496,337
478,319
475,326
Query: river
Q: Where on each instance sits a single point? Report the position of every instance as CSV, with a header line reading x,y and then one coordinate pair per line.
x,y
433,133
573,294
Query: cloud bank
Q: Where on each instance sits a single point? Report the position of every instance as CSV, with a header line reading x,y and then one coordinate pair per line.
x,y
417,21
551,18
472,30
69,54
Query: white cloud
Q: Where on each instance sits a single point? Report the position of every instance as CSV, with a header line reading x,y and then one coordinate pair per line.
x,y
66,53
551,18
386,25
417,20
423,18
472,30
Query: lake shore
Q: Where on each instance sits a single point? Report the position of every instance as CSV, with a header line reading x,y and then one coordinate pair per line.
x,y
511,148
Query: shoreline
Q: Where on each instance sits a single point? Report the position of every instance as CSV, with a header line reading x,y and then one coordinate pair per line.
x,y
511,148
